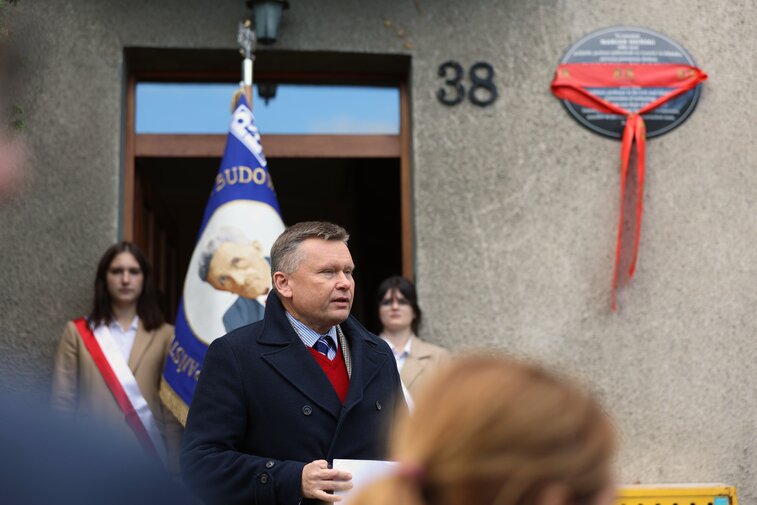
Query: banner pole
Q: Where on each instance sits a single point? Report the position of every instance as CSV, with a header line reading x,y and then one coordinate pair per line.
x,y
246,39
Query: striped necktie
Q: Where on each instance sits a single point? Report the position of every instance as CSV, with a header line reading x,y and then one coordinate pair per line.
x,y
325,345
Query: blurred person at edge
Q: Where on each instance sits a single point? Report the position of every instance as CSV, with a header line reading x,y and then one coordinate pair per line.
x,y
492,430
13,158
125,318
400,317
47,460
14,153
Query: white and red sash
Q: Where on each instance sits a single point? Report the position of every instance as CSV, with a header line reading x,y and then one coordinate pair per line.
x,y
114,369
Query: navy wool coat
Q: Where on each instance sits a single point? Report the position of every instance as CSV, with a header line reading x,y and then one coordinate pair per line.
x,y
264,408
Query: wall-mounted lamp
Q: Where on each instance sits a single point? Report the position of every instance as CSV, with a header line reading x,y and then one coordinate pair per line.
x,y
267,18
267,90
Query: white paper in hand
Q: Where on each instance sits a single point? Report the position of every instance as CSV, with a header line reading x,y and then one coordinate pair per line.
x,y
364,471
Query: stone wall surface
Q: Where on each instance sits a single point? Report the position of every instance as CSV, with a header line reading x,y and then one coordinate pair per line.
x,y
515,205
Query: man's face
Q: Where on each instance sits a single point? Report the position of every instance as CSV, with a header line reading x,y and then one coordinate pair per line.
x,y
320,292
124,279
240,269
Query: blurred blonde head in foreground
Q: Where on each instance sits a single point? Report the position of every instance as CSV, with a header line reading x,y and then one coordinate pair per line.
x,y
493,430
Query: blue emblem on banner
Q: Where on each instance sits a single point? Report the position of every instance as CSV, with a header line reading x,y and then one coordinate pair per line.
x,y
229,275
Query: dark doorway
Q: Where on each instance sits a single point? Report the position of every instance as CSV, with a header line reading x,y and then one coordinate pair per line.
x,y
363,195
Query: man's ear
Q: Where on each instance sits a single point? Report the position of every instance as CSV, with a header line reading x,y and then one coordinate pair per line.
x,y
281,283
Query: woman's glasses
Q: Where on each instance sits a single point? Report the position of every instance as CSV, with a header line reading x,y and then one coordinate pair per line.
x,y
387,302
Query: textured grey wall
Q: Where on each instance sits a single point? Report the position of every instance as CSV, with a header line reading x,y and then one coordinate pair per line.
x,y
515,204
52,234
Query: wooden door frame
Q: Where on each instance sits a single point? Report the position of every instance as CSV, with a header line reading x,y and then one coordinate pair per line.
x,y
276,146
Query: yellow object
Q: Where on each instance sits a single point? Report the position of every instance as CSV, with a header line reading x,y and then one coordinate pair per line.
x,y
677,494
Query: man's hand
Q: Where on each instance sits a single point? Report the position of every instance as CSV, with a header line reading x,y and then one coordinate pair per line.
x,y
317,478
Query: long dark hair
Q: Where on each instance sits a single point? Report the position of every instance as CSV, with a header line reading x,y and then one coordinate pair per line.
x,y
407,288
148,309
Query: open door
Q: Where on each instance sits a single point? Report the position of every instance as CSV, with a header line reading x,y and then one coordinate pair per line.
x,y
360,181
360,194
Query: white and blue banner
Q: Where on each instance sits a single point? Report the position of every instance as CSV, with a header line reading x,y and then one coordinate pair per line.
x,y
229,274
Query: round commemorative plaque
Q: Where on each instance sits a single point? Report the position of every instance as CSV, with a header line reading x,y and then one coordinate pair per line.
x,y
626,44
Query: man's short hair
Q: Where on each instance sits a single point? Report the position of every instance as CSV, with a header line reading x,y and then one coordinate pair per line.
x,y
225,234
285,254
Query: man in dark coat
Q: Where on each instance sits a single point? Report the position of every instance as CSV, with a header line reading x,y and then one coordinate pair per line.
x,y
278,400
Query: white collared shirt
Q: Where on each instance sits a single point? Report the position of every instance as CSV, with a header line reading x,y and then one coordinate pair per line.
x,y
308,335
124,338
400,356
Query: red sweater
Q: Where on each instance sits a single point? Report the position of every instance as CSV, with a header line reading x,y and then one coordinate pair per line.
x,y
335,370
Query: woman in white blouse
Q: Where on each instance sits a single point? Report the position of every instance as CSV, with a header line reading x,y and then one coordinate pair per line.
x,y
400,316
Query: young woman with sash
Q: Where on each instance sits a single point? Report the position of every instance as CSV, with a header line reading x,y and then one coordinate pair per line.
x,y
108,365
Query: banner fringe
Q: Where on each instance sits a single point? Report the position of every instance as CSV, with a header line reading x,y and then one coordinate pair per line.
x,y
173,402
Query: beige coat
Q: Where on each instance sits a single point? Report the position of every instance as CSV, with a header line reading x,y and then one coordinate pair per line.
x,y
80,392
424,359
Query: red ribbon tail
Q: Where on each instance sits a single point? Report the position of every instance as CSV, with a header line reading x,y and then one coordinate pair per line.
x,y
625,154
574,82
640,135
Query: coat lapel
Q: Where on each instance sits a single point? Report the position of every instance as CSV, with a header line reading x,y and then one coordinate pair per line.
x,y
141,343
295,363
415,362
412,369
366,362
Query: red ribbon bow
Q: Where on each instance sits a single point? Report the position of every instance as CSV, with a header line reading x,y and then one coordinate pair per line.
x,y
570,83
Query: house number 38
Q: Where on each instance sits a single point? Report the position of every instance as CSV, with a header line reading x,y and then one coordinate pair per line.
x,y
482,91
